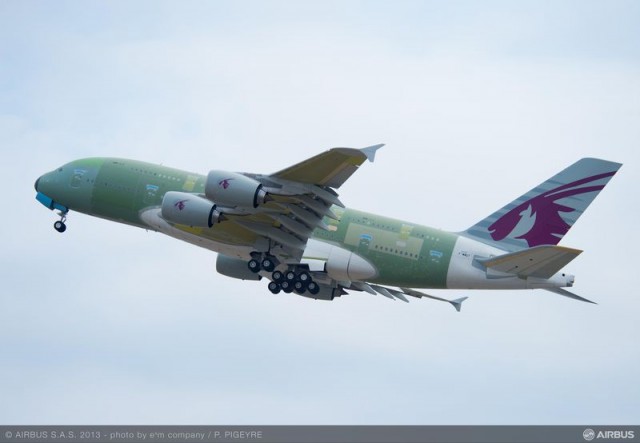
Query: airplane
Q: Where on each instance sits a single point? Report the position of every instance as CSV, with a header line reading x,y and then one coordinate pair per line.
x,y
291,228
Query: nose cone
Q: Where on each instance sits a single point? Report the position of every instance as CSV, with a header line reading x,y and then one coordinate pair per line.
x,y
70,186
49,184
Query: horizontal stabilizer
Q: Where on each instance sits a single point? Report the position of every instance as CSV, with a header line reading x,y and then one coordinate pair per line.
x,y
566,293
540,261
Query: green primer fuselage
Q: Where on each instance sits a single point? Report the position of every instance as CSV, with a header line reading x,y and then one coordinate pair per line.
x,y
405,254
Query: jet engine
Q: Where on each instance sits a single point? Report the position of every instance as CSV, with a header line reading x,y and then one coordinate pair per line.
x,y
235,268
234,190
189,209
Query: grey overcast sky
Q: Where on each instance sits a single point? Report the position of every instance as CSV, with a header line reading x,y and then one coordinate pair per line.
x,y
477,102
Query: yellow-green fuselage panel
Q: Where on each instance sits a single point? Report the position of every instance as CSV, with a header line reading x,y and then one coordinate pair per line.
x,y
405,254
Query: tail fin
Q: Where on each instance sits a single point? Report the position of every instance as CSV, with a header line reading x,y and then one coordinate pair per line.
x,y
545,214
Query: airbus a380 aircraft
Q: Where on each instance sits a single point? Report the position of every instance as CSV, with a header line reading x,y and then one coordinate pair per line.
x,y
290,227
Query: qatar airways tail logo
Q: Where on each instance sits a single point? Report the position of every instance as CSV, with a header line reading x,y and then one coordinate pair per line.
x,y
180,204
538,220
225,183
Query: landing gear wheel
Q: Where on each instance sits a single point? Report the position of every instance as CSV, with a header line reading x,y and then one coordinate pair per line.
x,y
287,287
60,226
277,276
299,287
254,265
268,264
290,276
274,287
304,277
313,288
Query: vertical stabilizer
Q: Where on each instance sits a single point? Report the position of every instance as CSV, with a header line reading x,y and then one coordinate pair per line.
x,y
545,214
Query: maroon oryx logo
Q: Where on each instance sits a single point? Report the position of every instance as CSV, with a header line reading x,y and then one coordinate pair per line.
x,y
540,216
180,204
224,183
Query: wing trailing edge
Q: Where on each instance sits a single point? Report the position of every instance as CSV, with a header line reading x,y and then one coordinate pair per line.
x,y
457,303
401,294
566,293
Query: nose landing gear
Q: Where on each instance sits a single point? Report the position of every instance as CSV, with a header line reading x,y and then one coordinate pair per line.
x,y
60,225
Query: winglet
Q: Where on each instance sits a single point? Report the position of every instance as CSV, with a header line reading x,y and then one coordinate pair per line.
x,y
370,151
457,303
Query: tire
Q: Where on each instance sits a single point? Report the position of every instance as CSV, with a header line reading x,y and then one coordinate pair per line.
x,y
313,288
290,276
59,226
274,287
268,264
299,287
277,276
287,287
304,277
254,266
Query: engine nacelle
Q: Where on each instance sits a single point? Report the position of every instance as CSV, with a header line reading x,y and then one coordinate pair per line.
x,y
232,189
235,268
189,209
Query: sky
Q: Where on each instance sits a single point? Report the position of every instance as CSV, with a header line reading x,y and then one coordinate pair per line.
x,y
477,103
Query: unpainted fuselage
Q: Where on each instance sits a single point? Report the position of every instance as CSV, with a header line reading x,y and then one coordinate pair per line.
x,y
404,254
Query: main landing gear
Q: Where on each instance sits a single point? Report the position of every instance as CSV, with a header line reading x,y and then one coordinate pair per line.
x,y
294,279
60,225
266,263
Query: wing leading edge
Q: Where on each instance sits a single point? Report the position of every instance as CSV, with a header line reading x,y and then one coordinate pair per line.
x,y
300,196
331,168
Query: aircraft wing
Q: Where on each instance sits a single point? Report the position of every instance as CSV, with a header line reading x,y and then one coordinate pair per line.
x,y
393,294
300,196
331,168
539,261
